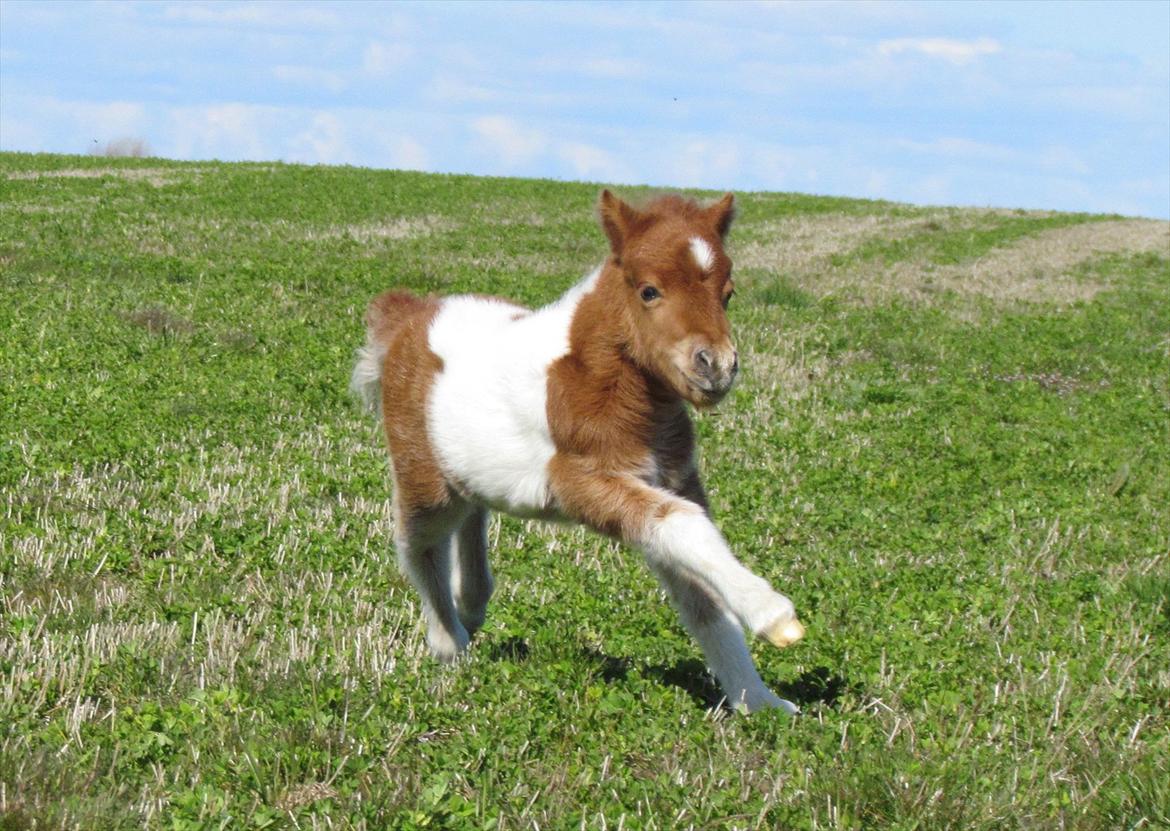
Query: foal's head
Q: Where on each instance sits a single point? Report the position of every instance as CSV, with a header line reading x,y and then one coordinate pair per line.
x,y
677,283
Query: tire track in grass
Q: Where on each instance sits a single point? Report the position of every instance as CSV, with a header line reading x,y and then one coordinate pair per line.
x,y
1043,268
1004,257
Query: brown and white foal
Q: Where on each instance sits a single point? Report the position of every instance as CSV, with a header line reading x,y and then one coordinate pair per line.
x,y
574,411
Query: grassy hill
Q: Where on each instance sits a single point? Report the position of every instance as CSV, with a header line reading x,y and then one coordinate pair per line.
x,y
950,446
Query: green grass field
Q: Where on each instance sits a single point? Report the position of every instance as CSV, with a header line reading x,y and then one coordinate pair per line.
x,y
950,446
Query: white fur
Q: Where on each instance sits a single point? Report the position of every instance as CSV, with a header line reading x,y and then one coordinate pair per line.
x,y
688,541
719,635
487,410
701,251
366,381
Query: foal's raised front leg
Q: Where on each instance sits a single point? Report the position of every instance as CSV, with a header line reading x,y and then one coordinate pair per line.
x,y
720,637
712,589
714,627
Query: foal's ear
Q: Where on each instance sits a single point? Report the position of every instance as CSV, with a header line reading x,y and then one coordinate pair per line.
x,y
617,218
722,213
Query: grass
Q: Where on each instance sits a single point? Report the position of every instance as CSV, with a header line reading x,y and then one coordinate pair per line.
x,y
957,466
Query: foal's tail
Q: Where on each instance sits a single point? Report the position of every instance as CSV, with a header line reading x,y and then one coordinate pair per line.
x,y
384,317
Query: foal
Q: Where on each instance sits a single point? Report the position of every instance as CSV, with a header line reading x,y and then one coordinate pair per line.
x,y
574,411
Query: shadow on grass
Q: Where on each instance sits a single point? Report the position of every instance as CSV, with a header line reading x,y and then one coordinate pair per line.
x,y
690,675
818,685
515,650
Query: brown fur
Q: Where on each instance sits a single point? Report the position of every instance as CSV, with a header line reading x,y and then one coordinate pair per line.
x,y
400,321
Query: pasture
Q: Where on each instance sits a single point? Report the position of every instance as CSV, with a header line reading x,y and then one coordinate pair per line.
x,y
949,444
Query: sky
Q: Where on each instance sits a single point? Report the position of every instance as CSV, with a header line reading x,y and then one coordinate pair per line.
x,y
1048,105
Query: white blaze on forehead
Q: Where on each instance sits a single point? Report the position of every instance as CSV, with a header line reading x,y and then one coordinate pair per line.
x,y
702,253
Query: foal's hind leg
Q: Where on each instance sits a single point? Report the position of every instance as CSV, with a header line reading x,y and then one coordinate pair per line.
x,y
721,638
472,578
424,555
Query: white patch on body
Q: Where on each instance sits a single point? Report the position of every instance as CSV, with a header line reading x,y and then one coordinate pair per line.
x,y
487,416
702,253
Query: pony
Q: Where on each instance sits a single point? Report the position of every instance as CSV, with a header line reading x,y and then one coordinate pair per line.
x,y
576,411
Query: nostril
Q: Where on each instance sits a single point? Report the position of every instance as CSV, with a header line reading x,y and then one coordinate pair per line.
x,y
703,359
735,362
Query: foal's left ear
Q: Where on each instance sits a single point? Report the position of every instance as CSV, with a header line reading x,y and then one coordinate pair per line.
x,y
617,219
722,213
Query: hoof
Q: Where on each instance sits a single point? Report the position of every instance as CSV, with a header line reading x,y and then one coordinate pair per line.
x,y
764,700
784,632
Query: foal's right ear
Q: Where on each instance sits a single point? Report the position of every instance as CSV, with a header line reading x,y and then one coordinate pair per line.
x,y
617,218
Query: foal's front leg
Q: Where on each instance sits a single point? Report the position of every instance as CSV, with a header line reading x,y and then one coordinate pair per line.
x,y
709,585
720,637
685,538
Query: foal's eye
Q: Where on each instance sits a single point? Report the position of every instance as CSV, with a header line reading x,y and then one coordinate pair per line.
x,y
649,293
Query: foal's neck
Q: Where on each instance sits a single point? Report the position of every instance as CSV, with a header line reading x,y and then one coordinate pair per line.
x,y
599,340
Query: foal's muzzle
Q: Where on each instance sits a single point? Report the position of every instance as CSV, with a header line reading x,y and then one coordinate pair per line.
x,y
713,371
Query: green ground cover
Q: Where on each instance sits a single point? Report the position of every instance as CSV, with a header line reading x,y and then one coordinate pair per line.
x,y
950,446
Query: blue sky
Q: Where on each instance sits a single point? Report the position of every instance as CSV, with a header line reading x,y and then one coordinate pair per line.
x,y
1011,104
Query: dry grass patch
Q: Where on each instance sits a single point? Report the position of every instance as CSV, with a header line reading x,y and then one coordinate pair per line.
x,y
159,321
1042,268
541,265
805,245
397,228
299,796
157,176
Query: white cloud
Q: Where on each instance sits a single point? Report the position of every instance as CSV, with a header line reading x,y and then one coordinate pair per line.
x,y
323,143
877,184
957,52
309,76
408,154
591,162
614,68
1056,158
27,121
112,120
226,131
934,189
512,143
1137,101
702,163
447,90
960,148
1064,160
264,15
383,58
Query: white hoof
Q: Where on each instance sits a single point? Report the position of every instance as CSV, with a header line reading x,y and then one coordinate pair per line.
x,y
447,646
783,633
764,699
